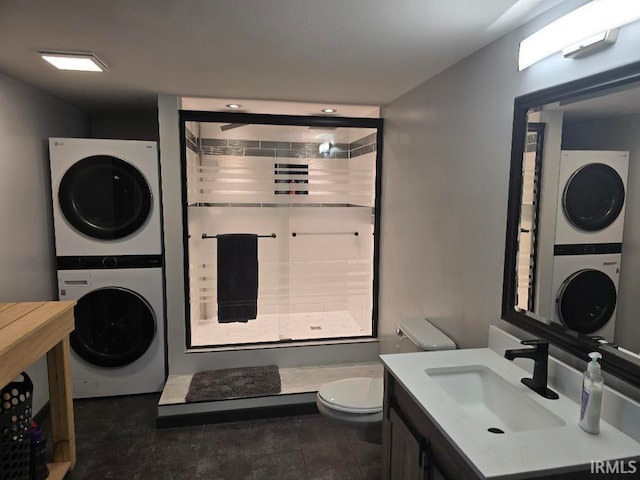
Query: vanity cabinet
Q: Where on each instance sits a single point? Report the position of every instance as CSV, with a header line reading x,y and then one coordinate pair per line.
x,y
415,449
408,456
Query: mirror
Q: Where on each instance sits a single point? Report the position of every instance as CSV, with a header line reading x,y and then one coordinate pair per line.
x,y
572,257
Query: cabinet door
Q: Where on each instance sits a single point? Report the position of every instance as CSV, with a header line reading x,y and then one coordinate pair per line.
x,y
407,458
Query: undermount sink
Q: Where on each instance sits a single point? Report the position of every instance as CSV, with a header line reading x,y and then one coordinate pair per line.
x,y
491,400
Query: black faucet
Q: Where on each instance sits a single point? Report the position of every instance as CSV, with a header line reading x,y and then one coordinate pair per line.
x,y
540,355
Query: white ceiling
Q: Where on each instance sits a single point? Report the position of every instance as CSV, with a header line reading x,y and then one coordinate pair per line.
x,y
335,51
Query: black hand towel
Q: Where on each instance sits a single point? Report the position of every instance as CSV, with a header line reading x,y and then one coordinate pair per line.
x,y
237,277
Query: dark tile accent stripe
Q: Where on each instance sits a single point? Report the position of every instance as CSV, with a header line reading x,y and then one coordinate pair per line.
x,y
362,150
289,154
259,152
245,143
223,151
190,135
191,145
270,148
363,141
304,146
214,142
275,145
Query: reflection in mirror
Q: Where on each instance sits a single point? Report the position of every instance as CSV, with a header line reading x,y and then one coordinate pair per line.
x,y
529,214
585,252
572,268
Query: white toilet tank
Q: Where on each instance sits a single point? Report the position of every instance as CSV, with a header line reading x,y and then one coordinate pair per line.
x,y
424,335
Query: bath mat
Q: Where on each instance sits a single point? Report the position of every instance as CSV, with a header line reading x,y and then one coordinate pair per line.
x,y
234,383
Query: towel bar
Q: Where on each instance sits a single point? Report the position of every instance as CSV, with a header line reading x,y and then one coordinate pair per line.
x,y
295,234
272,235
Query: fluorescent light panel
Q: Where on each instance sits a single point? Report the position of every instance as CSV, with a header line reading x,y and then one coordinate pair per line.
x,y
77,61
591,19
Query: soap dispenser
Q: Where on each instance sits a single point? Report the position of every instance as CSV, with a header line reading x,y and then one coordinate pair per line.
x,y
592,386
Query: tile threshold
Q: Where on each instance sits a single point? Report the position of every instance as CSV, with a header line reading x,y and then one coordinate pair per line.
x,y
294,380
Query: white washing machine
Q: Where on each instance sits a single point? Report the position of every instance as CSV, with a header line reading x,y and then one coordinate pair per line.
x,y
118,345
106,197
585,292
591,197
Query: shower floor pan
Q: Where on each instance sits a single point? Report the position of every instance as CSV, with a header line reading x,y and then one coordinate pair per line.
x,y
278,328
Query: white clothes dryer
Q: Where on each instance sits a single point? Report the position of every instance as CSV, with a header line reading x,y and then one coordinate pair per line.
x,y
106,197
585,291
591,197
118,345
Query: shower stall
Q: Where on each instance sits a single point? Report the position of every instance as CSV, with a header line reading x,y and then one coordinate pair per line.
x,y
306,188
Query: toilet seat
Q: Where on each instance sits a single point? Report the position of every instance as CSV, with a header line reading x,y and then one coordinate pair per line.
x,y
353,395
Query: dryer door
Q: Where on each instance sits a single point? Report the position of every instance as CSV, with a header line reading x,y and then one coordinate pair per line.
x,y
104,197
586,300
593,197
114,327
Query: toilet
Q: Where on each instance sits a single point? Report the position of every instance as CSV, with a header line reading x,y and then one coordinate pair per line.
x,y
357,402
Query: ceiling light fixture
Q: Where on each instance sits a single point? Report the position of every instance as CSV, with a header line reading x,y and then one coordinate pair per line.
x,y
578,26
76,61
233,105
329,110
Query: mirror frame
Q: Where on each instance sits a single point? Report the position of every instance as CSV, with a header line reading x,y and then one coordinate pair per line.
x,y
625,368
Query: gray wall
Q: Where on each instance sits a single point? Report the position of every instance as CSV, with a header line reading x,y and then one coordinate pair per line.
x,y
27,118
129,125
620,133
444,200
445,182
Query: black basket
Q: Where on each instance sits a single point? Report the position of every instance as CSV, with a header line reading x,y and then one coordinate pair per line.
x,y
15,429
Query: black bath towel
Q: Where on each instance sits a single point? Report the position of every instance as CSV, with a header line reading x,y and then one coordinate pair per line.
x,y
237,277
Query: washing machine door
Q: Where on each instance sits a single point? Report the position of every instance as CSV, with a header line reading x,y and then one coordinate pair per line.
x,y
593,197
113,327
105,197
586,300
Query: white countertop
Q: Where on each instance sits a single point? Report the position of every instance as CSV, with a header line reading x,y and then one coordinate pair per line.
x,y
551,450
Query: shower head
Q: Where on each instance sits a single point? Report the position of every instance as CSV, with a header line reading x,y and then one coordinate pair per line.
x,y
229,126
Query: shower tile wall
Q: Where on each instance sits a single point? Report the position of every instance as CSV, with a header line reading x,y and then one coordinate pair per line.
x,y
310,286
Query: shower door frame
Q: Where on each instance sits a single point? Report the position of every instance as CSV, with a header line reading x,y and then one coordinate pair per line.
x,y
287,120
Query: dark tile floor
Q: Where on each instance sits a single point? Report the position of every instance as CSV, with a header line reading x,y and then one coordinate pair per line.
x,y
116,438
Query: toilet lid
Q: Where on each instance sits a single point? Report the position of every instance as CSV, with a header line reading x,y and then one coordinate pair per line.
x,y
353,395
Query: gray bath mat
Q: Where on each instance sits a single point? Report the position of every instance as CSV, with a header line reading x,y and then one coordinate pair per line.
x,y
234,383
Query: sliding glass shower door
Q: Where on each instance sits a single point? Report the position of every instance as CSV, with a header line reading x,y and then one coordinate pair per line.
x,y
305,193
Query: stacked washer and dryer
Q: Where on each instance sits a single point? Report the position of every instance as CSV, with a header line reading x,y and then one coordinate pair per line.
x,y
107,222
588,240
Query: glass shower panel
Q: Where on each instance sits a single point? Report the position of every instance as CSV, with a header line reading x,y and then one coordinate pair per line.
x,y
314,189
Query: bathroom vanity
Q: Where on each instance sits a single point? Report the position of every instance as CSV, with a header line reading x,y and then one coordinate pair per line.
x,y
465,414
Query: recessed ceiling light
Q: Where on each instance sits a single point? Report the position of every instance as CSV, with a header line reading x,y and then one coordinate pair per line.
x,y
329,110
233,105
77,61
